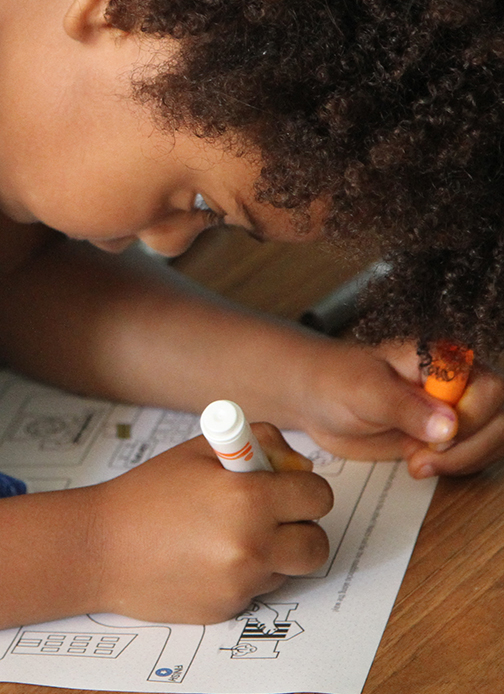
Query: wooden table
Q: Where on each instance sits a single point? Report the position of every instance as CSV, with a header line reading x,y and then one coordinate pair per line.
x,y
446,631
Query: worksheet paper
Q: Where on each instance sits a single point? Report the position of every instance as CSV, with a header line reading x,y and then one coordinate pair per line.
x,y
319,633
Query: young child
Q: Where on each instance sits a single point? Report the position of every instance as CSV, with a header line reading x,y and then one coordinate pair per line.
x,y
179,538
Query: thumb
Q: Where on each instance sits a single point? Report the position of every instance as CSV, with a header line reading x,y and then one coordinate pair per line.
x,y
281,456
413,411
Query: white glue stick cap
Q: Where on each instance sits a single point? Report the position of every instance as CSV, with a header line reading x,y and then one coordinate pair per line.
x,y
222,420
224,426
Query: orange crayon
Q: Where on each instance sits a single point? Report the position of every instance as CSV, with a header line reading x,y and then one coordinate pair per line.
x,y
448,372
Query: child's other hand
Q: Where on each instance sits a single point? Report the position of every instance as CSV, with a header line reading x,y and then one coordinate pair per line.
x,y
185,540
369,404
389,415
479,441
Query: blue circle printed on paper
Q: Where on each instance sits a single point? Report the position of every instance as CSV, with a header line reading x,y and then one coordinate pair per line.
x,y
163,672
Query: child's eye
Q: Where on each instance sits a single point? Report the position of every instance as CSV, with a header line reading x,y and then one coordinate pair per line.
x,y
199,203
212,217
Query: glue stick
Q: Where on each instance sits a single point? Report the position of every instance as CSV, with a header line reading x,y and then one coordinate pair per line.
x,y
225,428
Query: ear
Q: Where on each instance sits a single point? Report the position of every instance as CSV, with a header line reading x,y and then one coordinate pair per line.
x,y
84,18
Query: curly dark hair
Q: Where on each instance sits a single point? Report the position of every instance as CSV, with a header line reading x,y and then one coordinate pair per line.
x,y
391,110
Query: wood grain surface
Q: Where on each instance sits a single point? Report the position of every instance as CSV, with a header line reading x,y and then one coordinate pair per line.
x,y
446,631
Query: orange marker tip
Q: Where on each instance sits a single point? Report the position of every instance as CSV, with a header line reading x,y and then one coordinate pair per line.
x,y
448,372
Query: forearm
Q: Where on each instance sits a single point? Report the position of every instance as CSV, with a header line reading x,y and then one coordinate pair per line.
x,y
49,557
83,321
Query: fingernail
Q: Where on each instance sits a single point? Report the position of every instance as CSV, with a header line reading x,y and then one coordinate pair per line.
x,y
296,461
441,447
424,472
440,428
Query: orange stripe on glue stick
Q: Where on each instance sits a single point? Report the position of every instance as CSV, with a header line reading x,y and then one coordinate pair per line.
x,y
242,453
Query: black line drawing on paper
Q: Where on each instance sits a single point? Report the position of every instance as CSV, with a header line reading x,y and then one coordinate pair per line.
x,y
81,644
160,431
51,431
180,645
326,463
51,425
338,534
7,638
266,628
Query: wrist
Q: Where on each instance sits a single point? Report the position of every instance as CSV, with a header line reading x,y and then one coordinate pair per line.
x,y
289,382
50,557
79,551
324,382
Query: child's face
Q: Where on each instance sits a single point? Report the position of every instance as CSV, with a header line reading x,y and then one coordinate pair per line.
x,y
78,155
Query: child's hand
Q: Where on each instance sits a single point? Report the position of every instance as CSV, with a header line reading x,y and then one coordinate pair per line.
x,y
185,540
369,404
479,441
387,414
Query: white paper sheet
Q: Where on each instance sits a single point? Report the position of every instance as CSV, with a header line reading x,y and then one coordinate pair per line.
x,y
316,634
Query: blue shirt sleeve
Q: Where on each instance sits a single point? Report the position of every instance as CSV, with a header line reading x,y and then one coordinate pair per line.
x,y
10,486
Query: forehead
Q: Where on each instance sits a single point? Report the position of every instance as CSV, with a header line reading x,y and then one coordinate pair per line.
x,y
70,130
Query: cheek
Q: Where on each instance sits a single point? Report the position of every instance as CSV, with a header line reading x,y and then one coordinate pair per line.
x,y
86,221
91,208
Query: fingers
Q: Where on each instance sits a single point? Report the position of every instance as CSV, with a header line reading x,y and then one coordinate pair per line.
x,y
280,454
407,406
381,400
299,496
480,439
295,550
482,400
470,455
412,411
300,548
295,494
295,497
388,445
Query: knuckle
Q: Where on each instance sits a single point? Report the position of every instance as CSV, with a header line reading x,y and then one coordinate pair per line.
x,y
403,404
409,411
243,560
315,551
244,571
242,491
224,610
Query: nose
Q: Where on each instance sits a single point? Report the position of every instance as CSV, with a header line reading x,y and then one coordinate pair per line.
x,y
176,234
